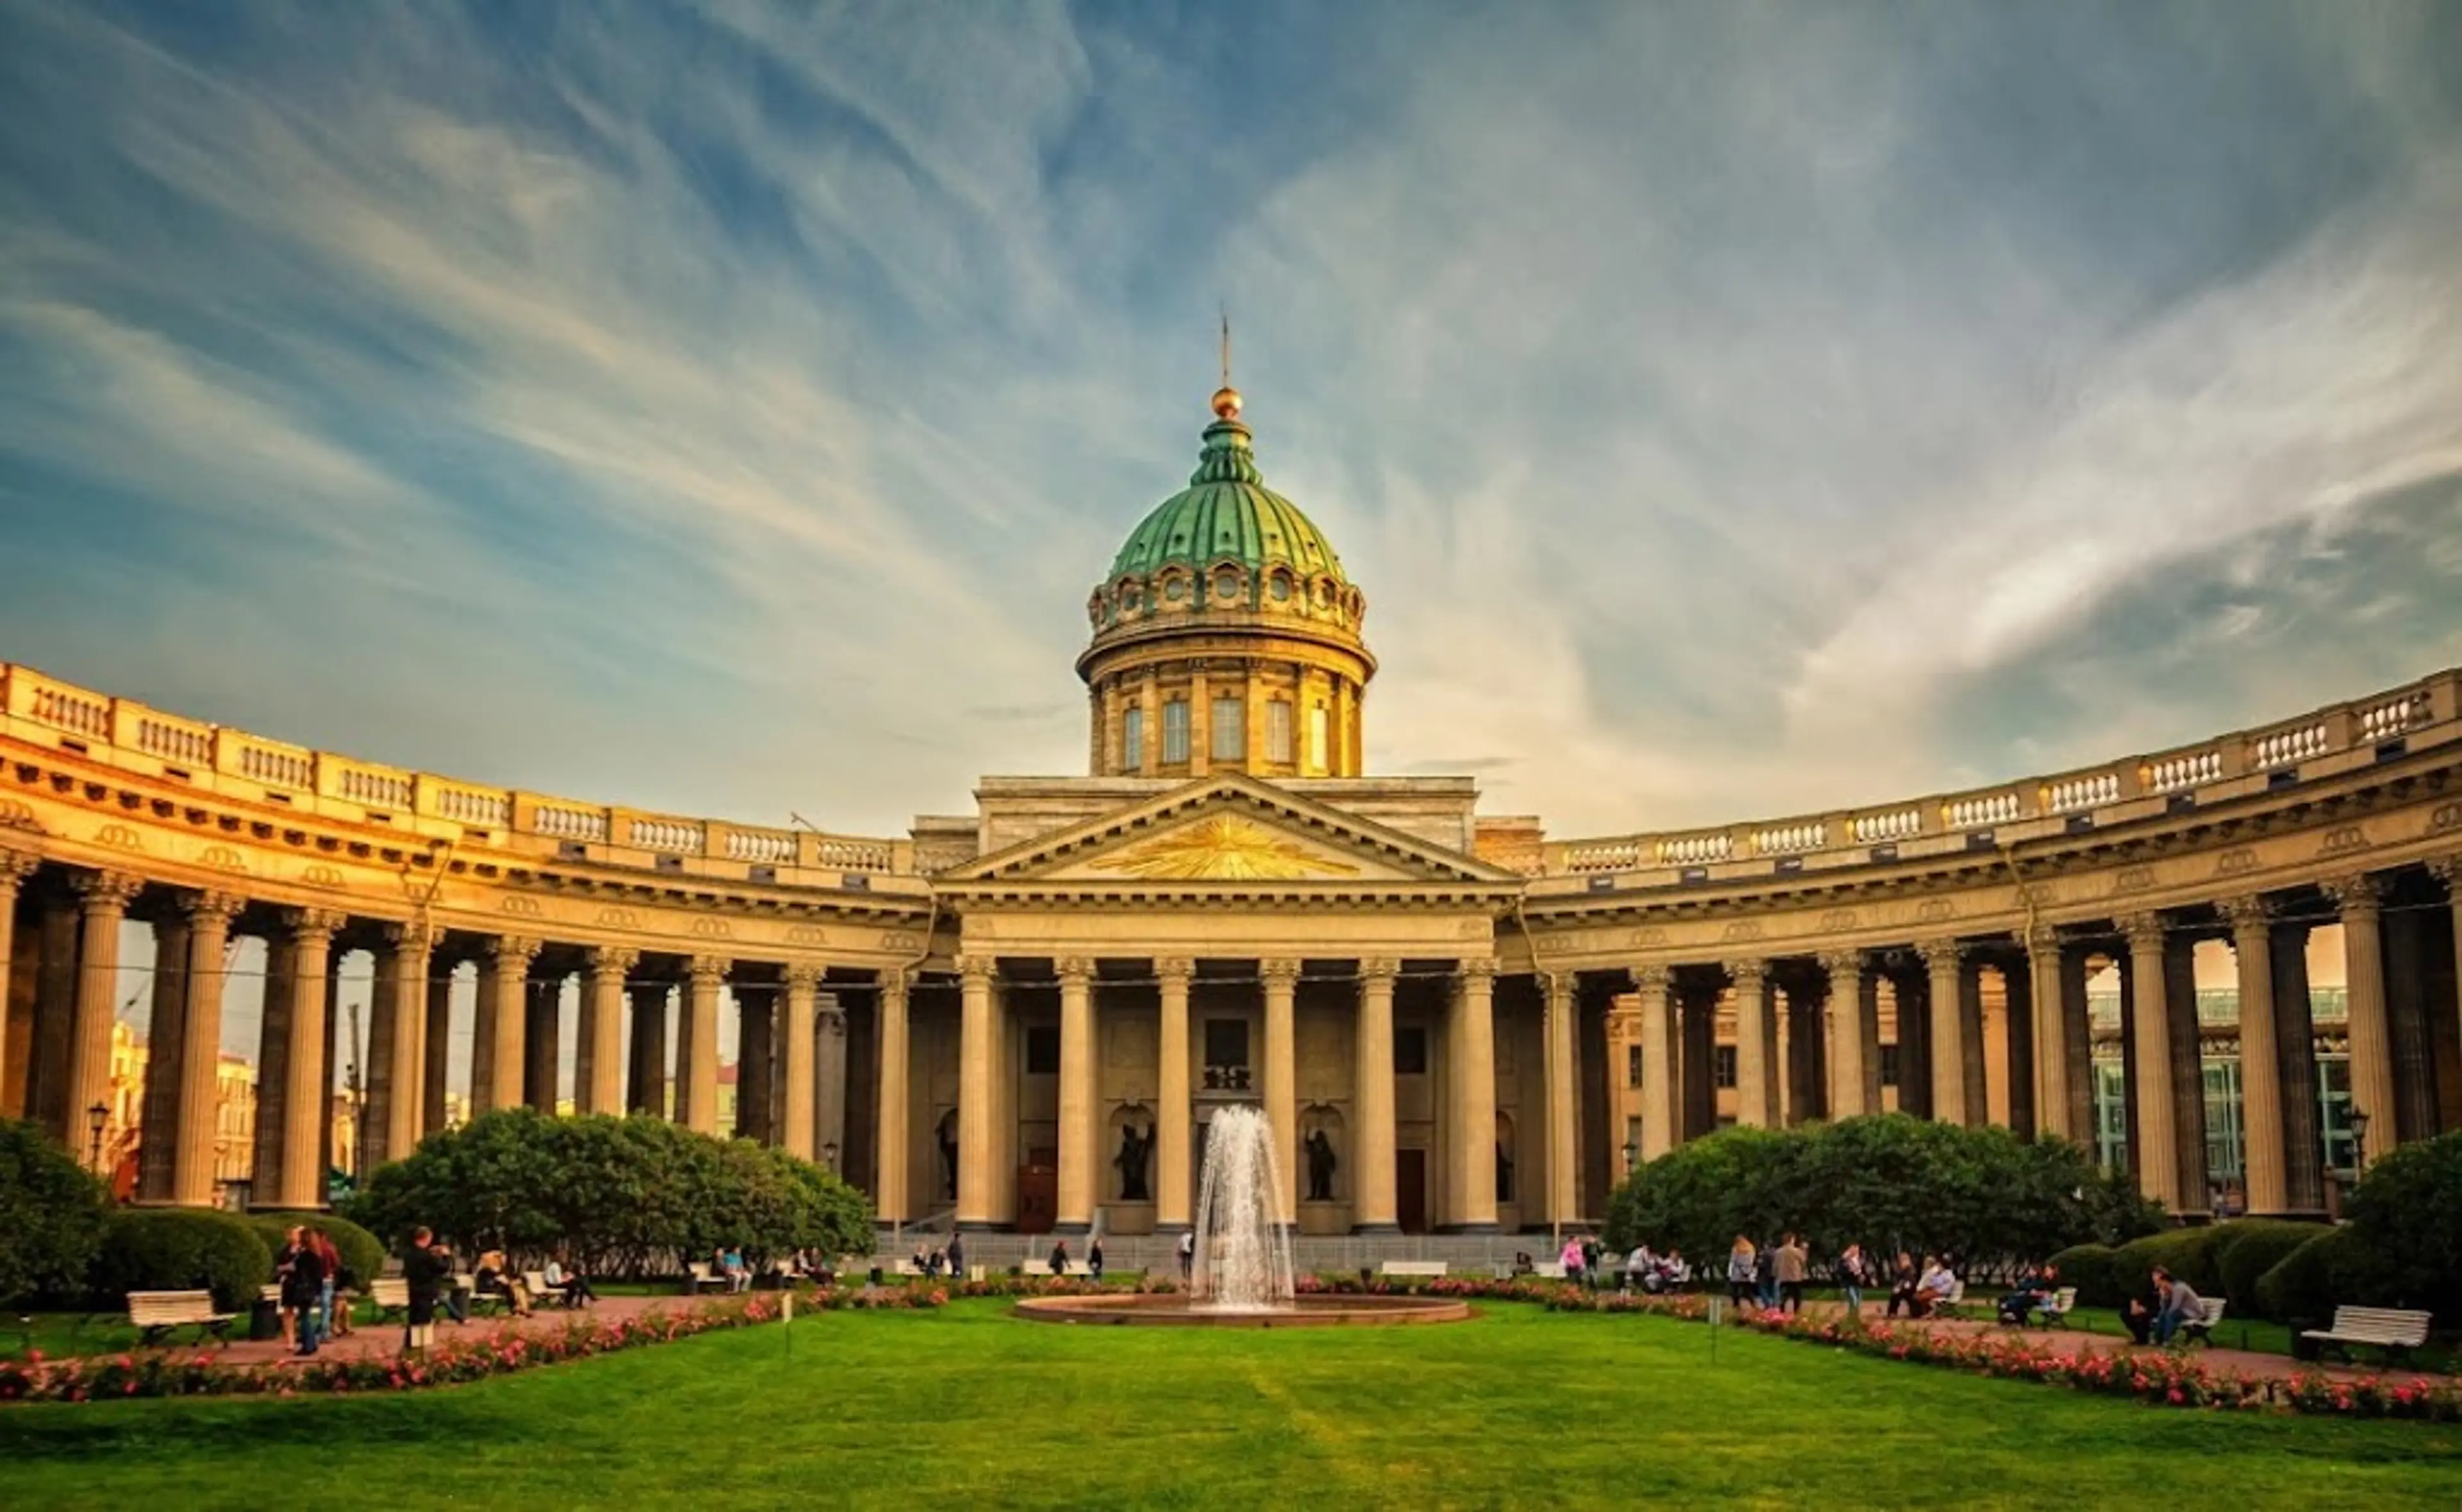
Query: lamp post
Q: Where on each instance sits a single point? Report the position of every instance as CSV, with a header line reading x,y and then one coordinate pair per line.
x,y
830,1154
96,1117
1632,1156
2359,1141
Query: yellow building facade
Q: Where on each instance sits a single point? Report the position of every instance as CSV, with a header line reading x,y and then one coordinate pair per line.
x,y
1022,1017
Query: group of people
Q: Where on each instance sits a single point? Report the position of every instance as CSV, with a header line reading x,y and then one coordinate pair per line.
x,y
1920,1290
2167,1304
1094,1257
1769,1274
936,1263
428,1271
308,1273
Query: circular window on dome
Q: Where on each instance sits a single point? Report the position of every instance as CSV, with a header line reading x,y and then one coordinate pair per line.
x,y
1323,594
1282,588
1176,589
1227,584
1129,598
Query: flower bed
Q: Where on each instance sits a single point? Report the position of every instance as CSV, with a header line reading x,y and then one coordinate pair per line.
x,y
2162,1377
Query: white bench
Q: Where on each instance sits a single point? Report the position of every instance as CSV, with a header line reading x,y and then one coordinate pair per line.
x,y
1547,1270
1034,1267
2200,1330
155,1313
2054,1309
1411,1267
698,1274
2392,1329
389,1295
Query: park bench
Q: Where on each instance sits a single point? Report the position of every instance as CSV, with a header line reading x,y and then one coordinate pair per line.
x,y
2201,1330
541,1293
1411,1267
1546,1270
157,1313
2392,1329
2055,1308
698,1274
390,1296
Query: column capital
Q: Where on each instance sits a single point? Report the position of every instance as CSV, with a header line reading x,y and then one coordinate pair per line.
x,y
708,971
830,1012
510,952
1379,968
1935,954
978,968
2358,892
2143,931
1835,962
1561,986
894,981
108,892
2446,869
1279,970
805,976
407,936
2246,914
2040,938
1652,977
1750,970
211,907
15,866
1074,971
1476,968
615,959
313,924
1175,969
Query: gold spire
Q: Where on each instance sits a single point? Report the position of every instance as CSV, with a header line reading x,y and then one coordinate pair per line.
x,y
1226,399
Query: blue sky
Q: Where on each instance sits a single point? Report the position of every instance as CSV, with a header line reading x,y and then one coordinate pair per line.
x,y
1729,409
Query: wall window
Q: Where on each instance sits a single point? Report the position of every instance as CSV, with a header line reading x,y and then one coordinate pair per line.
x,y
2334,1105
1889,1065
1318,723
1722,1066
1230,729
1277,730
1133,741
1410,1050
1633,1066
1175,732
2111,1108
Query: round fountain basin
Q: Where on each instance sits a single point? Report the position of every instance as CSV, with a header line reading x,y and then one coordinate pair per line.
x,y
1169,1310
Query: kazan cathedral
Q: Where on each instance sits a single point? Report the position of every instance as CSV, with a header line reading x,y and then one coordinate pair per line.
x,y
2227,967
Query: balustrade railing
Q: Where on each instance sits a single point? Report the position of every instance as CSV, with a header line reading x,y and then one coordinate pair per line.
x,y
375,790
1978,814
278,768
760,845
667,834
2072,793
1785,839
559,822
2172,773
2289,748
468,805
1891,824
180,743
1695,850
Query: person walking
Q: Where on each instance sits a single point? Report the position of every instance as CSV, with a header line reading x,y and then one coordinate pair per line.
x,y
330,1323
284,1261
1094,1256
424,1266
1792,1264
1766,1274
1740,1272
1572,1258
303,1288
1060,1257
957,1254
1853,1273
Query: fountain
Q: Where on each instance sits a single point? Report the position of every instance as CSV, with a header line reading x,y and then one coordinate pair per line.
x,y
1242,1275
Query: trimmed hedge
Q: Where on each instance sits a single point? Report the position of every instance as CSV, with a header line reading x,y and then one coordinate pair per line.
x,y
2187,1253
2246,1248
363,1255
2093,1270
51,1216
2307,1284
2408,1210
182,1250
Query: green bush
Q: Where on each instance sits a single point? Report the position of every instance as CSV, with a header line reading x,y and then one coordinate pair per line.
x,y
2408,1210
2337,1269
2246,1248
2091,1269
622,1195
182,1250
2187,1253
363,1254
51,1216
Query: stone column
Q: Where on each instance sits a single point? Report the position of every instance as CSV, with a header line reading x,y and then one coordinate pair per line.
x,y
15,866
756,1065
1473,1099
1843,1014
599,1078
436,1079
159,1122
272,1067
889,1200
648,1093
2077,1040
496,1040
102,903
697,1067
1281,1073
1080,1152
2447,870
2156,1153
1563,1190
978,1148
543,1040
2261,1080
1973,1044
1947,1038
2050,1035
2295,1048
58,973
795,1055
2361,902
1658,1089
1174,1116
1752,1044
201,1047
403,1020
292,1178
830,1097
1373,1210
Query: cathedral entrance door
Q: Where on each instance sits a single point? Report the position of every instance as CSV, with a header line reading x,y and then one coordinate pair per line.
x,y
1411,1190
1038,1192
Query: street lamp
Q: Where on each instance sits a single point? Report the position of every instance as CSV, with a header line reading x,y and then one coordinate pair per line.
x,y
1631,1156
2358,1121
96,1117
830,1154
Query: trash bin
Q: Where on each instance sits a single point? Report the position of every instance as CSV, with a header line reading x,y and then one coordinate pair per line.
x,y
264,1319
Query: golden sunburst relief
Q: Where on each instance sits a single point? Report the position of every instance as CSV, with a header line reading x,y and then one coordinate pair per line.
x,y
1225,849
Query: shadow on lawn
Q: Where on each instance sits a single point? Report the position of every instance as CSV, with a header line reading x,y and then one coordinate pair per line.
x,y
39,1432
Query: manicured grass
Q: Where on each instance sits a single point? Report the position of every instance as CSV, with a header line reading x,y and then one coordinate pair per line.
x,y
1518,1408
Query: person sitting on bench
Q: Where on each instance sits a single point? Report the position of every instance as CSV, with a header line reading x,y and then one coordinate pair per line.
x,y
2182,1306
2034,1289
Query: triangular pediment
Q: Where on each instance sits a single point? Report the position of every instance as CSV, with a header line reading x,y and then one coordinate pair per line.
x,y
1234,832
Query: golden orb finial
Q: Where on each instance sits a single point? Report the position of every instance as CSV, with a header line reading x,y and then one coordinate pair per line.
x,y
1226,402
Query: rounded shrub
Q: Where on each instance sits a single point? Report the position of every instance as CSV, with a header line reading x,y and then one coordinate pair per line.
x,y
2335,1268
2187,1253
2246,1248
2408,1210
2091,1268
51,1216
363,1255
182,1250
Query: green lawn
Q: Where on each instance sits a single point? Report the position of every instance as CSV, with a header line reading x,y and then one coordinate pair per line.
x,y
968,1407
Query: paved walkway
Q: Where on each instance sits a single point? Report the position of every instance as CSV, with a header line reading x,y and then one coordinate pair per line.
x,y
2253,1364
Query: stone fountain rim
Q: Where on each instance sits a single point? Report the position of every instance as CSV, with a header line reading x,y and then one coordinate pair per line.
x,y
1171,1309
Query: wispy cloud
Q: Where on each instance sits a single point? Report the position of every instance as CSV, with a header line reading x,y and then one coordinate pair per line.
x,y
1728,410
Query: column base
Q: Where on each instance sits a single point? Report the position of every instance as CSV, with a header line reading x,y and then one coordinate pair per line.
x,y
980,1225
1376,1230
1488,1227
1066,1229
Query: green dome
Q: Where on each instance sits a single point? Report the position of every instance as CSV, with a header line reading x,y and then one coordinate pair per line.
x,y
1227,514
